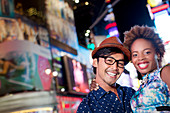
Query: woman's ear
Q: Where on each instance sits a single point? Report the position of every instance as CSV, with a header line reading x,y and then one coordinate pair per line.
x,y
95,62
158,56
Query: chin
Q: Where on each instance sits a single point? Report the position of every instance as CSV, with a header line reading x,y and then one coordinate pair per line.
x,y
142,73
111,84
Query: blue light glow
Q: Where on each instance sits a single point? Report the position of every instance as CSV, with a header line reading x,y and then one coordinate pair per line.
x,y
162,23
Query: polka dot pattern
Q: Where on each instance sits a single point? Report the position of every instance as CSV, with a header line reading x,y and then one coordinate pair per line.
x,y
101,101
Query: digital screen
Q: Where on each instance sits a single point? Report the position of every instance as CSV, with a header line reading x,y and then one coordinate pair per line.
x,y
7,8
61,82
113,31
76,76
68,104
32,9
162,23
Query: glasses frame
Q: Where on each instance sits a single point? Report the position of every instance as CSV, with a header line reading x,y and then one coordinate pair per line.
x,y
118,64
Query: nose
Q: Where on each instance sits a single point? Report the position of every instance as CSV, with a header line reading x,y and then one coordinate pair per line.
x,y
141,57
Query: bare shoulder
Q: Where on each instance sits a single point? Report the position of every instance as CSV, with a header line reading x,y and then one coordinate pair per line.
x,y
165,74
166,70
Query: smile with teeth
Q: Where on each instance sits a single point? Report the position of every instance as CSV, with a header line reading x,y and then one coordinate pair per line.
x,y
143,65
111,74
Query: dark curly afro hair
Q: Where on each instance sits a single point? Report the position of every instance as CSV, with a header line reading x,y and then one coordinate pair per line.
x,y
147,33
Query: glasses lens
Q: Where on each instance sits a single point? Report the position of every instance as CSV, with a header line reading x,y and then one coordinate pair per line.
x,y
121,63
110,61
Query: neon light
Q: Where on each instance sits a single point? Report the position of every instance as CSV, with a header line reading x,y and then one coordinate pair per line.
x,y
113,31
107,1
160,8
110,25
167,42
162,23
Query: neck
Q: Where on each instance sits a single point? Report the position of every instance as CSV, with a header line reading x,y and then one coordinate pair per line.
x,y
143,74
106,86
152,71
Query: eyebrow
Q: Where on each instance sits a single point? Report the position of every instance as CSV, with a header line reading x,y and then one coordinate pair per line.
x,y
116,59
143,50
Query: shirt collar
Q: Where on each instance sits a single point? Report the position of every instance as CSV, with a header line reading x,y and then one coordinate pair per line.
x,y
101,92
151,76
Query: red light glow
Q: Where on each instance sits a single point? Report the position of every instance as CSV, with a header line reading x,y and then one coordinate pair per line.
x,y
159,8
110,25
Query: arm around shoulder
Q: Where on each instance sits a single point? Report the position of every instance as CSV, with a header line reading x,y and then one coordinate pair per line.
x,y
165,75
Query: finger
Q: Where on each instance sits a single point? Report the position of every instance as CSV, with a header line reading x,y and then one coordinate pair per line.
x,y
97,87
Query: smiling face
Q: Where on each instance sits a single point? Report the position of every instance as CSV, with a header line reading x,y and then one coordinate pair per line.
x,y
143,56
107,75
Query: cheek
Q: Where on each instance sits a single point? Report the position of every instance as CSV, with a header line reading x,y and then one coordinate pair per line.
x,y
121,70
133,60
155,60
101,66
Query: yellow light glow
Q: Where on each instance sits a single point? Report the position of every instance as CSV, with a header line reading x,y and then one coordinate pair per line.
x,y
34,110
154,3
88,31
86,3
76,1
86,34
55,73
48,71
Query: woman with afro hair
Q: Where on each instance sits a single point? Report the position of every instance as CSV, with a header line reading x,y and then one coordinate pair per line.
x,y
147,51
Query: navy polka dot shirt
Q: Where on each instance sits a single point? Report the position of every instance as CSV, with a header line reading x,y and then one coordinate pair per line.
x,y
101,101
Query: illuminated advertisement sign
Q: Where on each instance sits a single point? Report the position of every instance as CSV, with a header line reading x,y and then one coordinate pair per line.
x,y
22,67
68,104
7,8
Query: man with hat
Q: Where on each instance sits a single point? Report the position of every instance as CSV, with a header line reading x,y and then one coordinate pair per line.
x,y
109,60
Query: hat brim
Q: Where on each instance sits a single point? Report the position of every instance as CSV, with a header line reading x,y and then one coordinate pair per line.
x,y
121,47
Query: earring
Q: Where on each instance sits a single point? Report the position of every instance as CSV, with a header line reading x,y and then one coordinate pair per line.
x,y
156,56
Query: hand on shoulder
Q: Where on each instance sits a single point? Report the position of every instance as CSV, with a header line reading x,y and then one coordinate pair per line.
x,y
94,85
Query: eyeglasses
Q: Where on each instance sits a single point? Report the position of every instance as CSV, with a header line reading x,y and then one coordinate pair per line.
x,y
110,61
